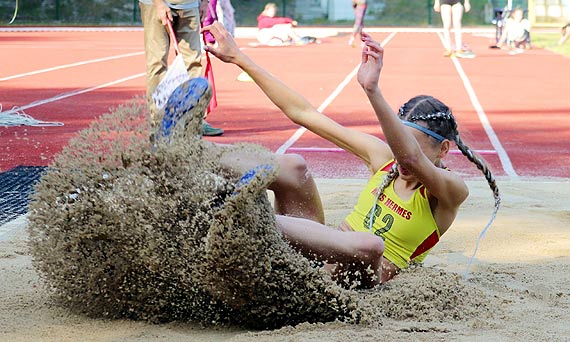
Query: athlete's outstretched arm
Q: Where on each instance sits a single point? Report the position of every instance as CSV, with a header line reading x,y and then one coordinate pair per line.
x,y
446,186
367,147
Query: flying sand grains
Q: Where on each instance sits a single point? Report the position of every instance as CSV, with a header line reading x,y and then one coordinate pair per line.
x,y
121,229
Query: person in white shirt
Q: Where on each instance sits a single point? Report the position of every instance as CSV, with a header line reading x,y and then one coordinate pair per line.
x,y
516,33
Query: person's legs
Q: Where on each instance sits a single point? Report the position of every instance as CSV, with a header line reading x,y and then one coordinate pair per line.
x,y
523,42
285,32
457,18
358,253
264,36
156,45
296,193
187,27
446,21
300,217
359,13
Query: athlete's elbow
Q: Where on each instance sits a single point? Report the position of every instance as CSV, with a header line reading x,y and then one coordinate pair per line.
x,y
409,160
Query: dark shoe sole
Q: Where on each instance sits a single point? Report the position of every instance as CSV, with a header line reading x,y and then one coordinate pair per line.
x,y
262,171
186,103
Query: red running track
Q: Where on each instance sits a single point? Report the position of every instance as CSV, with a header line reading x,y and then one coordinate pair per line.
x,y
516,106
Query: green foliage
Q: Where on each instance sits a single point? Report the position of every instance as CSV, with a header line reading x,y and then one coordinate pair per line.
x,y
126,12
549,41
78,12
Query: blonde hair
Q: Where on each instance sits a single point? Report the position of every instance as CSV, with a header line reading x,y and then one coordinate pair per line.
x,y
269,6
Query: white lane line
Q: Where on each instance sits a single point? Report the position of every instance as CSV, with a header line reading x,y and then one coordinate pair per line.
x,y
337,149
502,153
297,135
76,92
7,228
65,66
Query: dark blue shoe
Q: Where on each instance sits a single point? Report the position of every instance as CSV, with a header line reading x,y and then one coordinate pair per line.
x,y
262,170
224,190
187,102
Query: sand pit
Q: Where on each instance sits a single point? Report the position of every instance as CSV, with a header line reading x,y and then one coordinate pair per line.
x,y
248,276
521,268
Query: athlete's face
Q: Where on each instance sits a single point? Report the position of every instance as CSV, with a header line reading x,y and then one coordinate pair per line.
x,y
433,149
429,145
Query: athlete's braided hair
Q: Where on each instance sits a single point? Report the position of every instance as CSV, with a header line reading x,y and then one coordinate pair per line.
x,y
439,119
390,176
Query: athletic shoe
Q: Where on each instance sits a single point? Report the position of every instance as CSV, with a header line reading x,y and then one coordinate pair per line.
x,y
448,53
308,39
223,190
260,170
464,54
209,131
186,103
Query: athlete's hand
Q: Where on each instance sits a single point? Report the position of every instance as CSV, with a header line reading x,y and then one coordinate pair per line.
x,y
371,64
227,49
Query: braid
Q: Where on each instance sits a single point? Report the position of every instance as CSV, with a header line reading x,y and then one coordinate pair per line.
x,y
443,116
433,112
402,111
390,176
481,165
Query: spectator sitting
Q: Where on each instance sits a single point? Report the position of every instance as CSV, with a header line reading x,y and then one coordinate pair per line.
x,y
276,31
516,33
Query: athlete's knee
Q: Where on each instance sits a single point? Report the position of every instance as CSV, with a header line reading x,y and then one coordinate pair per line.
x,y
293,171
368,248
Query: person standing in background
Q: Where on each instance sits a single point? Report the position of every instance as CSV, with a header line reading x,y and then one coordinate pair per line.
x,y
452,13
222,11
359,7
185,16
211,16
225,12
